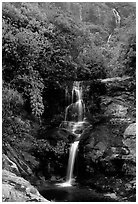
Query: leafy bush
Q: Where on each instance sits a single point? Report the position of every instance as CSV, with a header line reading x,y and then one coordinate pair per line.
x,y
12,102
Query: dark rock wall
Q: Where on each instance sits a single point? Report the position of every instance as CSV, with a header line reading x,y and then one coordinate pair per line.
x,y
109,146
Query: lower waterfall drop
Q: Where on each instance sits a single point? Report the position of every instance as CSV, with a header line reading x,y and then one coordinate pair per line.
x,y
69,178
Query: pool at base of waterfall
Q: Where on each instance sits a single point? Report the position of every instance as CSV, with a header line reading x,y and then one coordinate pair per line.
x,y
76,193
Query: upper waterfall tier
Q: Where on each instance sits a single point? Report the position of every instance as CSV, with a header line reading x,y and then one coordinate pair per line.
x,y
76,111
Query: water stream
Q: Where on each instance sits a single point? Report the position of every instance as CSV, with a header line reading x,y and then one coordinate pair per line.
x,y
117,21
74,122
80,12
117,17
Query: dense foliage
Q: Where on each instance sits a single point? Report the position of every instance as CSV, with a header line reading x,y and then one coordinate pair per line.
x,y
46,45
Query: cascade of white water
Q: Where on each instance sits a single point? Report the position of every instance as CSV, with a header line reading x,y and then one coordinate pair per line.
x,y
117,17
109,38
75,127
117,20
75,112
80,12
71,161
77,89
66,112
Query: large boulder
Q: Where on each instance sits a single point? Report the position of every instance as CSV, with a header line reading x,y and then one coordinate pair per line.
x,y
116,110
17,189
16,169
129,142
92,147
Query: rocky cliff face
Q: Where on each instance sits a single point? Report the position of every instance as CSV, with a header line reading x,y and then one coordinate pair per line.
x,y
17,189
109,148
14,187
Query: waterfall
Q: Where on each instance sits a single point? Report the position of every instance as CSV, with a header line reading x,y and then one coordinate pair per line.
x,y
76,111
117,20
117,17
77,91
71,162
109,38
75,123
80,12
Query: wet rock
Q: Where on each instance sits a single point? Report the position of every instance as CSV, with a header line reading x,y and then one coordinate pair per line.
x,y
9,165
17,189
96,143
129,142
130,130
116,110
53,178
66,134
111,195
22,159
115,152
98,151
129,168
92,147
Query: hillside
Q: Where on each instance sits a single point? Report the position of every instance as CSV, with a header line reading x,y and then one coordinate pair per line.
x,y
46,46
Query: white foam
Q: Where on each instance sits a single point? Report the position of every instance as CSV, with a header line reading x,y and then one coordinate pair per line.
x,y
65,184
